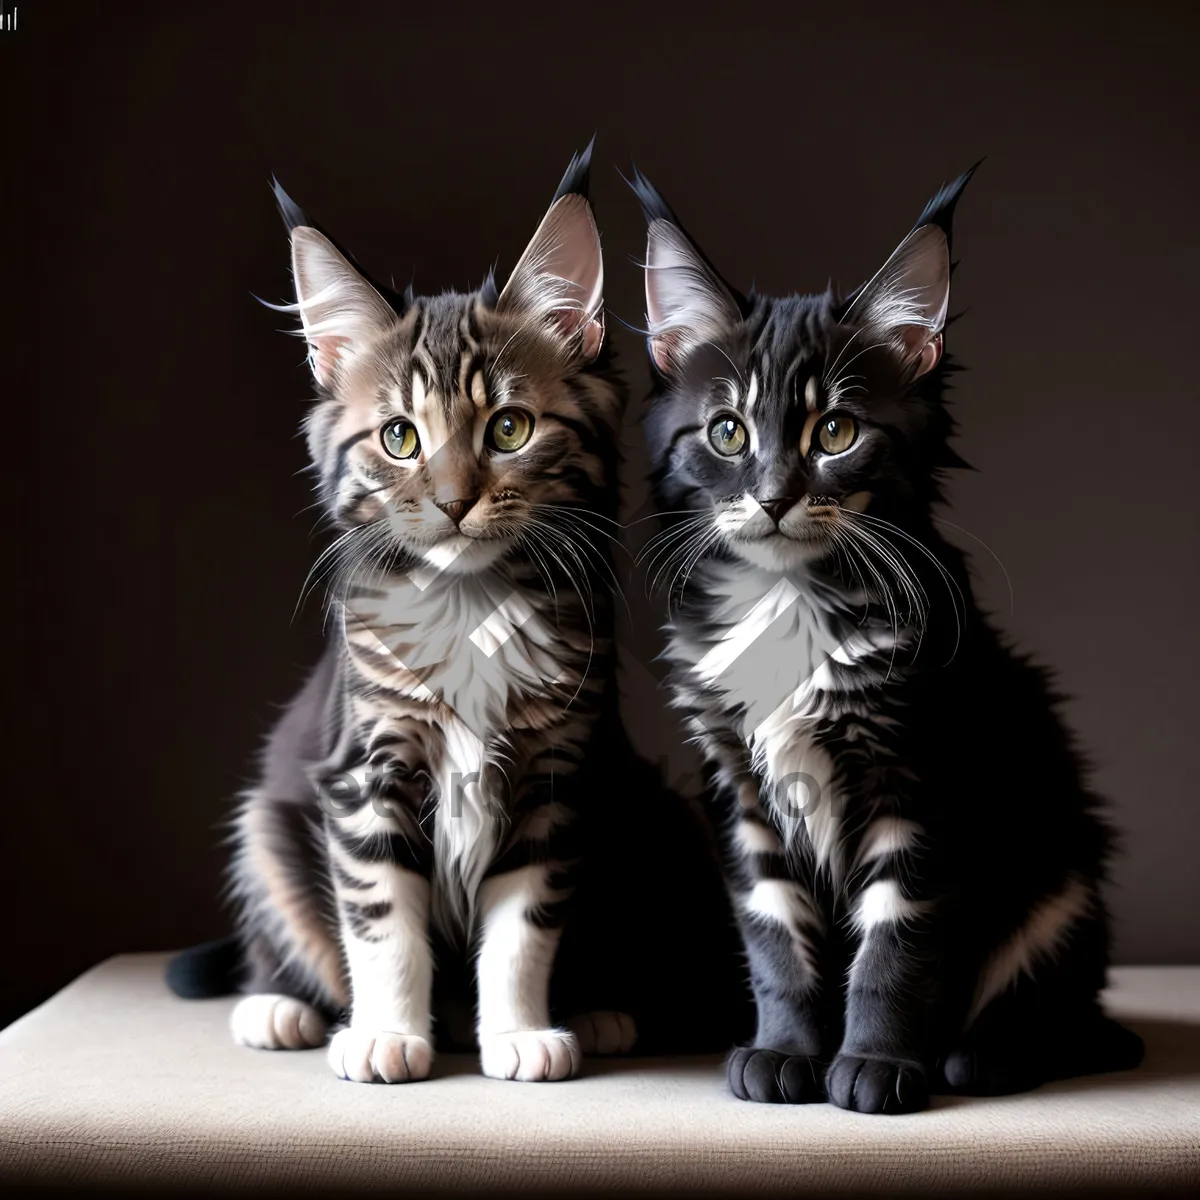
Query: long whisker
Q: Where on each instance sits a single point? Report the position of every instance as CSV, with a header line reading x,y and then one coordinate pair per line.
x,y
701,550
671,554
562,512
542,569
581,546
852,536
667,553
1003,568
681,558
328,563
668,512
666,536
538,532
957,598
948,579
578,511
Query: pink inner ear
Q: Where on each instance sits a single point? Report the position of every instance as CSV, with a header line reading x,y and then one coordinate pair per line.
x,y
663,349
325,351
569,321
928,356
593,339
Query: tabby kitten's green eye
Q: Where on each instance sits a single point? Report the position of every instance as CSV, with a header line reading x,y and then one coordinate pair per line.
x,y
837,434
400,439
509,430
727,435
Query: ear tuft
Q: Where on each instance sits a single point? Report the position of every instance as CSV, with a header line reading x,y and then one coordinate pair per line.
x,y
940,210
488,294
289,210
654,207
577,178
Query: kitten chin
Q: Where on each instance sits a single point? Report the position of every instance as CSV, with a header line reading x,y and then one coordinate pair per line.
x,y
778,553
461,555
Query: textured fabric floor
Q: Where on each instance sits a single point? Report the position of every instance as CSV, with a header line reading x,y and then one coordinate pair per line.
x,y
114,1081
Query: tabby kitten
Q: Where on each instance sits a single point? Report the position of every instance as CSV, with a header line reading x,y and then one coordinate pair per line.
x,y
464,448
914,856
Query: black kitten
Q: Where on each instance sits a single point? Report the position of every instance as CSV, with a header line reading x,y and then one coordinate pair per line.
x,y
914,856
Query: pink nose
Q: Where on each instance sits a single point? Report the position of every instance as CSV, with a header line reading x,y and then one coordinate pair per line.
x,y
456,509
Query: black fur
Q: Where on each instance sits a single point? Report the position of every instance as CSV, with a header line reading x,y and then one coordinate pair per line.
x,y
960,813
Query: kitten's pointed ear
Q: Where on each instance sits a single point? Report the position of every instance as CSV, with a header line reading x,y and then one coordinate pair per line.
x,y
687,302
560,277
905,302
340,311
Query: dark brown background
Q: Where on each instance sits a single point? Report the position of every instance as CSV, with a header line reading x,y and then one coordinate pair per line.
x,y
151,404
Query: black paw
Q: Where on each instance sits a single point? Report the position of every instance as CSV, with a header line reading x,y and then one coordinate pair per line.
x,y
876,1085
998,1066
970,1072
773,1077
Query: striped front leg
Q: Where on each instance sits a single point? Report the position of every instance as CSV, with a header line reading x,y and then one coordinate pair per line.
x,y
380,866
880,1067
521,906
781,929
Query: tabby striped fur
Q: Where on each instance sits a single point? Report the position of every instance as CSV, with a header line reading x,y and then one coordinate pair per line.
x,y
425,772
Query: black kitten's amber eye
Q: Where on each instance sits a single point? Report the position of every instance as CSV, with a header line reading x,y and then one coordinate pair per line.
x,y
837,434
400,439
509,430
727,435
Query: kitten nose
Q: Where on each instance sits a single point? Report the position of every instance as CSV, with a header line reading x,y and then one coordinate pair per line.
x,y
456,509
775,508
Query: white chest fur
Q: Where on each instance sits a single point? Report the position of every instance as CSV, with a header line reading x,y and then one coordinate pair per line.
x,y
464,652
776,652
477,643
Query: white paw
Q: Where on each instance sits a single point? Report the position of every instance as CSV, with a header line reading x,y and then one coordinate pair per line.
x,y
380,1056
604,1032
270,1022
530,1055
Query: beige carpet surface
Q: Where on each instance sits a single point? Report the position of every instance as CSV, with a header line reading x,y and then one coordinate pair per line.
x,y
115,1081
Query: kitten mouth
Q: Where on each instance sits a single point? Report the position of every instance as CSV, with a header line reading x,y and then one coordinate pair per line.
x,y
805,535
462,538
461,552
782,550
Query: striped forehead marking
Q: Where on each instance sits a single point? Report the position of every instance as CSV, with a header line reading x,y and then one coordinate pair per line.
x,y
806,434
418,389
810,394
752,393
478,387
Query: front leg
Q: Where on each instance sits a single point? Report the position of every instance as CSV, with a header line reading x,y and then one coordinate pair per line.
x,y
380,865
521,906
522,902
781,930
880,1067
518,939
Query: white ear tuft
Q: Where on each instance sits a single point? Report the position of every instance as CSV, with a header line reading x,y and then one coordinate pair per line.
x,y
341,313
560,277
906,300
687,305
